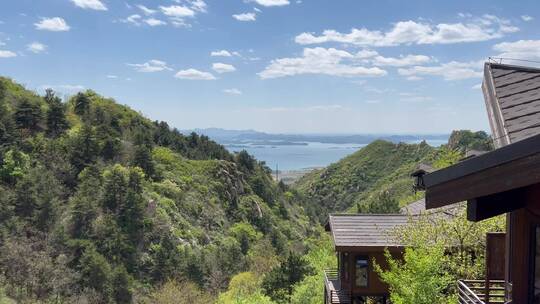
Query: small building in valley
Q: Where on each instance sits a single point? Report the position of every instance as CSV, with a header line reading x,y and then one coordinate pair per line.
x,y
503,181
359,240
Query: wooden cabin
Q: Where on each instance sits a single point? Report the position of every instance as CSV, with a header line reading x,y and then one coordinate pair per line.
x,y
506,180
360,239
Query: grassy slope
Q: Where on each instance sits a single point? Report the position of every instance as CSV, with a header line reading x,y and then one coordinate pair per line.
x,y
380,166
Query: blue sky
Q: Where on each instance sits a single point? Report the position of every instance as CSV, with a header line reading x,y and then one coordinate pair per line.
x,y
310,66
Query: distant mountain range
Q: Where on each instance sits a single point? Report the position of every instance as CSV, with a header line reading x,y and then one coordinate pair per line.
x,y
229,137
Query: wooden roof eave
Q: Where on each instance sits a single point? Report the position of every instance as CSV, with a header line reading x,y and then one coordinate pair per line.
x,y
369,249
511,167
493,108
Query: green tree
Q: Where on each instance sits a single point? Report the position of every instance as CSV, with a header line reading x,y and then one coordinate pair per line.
x,y
446,157
245,234
123,198
81,104
7,125
122,286
279,283
244,288
384,202
14,166
28,115
112,148
142,158
464,140
421,278
84,207
320,256
96,273
55,116
465,241
84,148
165,260
173,292
245,161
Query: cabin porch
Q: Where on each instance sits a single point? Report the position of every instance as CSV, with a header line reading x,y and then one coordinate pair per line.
x,y
480,291
333,291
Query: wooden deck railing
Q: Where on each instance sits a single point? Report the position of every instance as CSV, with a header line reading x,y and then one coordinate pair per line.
x,y
334,294
478,292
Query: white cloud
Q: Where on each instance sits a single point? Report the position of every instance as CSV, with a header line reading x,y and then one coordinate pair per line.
x,y
198,5
177,11
401,60
453,70
414,78
133,19
36,47
193,74
321,61
521,49
180,23
223,68
112,76
373,57
7,54
150,66
90,4
477,86
221,53
232,91
271,2
527,18
146,10
55,24
411,32
257,10
177,14
245,17
154,22
414,97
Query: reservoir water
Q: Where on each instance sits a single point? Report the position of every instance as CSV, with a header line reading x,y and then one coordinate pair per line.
x,y
308,155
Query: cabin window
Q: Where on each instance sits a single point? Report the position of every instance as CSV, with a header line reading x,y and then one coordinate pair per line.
x,y
361,271
344,264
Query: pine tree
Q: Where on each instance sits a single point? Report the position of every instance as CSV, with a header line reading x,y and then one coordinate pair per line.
x,y
56,116
28,115
143,159
122,282
84,148
82,104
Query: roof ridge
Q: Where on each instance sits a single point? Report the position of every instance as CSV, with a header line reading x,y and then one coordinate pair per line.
x,y
512,66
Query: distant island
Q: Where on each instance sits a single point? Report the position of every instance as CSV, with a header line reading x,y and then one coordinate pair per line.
x,y
242,137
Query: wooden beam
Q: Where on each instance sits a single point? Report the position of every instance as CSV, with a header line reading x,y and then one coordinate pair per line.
x,y
485,207
504,177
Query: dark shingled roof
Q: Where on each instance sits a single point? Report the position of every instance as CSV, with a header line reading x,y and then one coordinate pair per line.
x,y
512,95
365,230
419,208
414,208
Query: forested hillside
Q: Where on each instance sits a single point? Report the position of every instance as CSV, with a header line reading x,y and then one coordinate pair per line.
x,y
376,179
99,204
